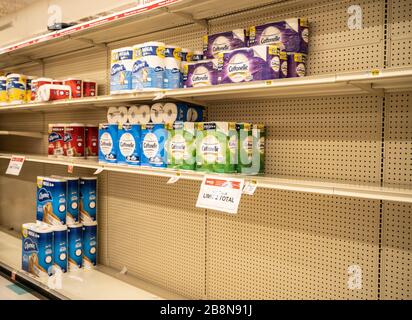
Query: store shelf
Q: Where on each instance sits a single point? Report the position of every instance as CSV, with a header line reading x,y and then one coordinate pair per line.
x,y
97,284
29,134
149,17
364,191
368,82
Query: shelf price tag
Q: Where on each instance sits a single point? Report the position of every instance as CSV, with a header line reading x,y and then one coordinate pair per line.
x,y
98,171
70,168
159,95
220,193
250,187
15,165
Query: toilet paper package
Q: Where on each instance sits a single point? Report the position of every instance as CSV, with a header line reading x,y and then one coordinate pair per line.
x,y
291,34
89,244
154,137
216,147
196,56
108,143
225,41
3,91
201,73
72,198
51,200
88,199
16,88
121,70
129,144
75,246
259,141
139,114
172,61
194,114
181,146
60,248
156,113
37,249
173,112
148,66
249,64
296,65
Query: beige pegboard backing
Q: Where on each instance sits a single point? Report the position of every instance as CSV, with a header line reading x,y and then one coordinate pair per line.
x,y
332,138
396,276
401,53
103,254
91,64
398,139
287,245
333,46
400,19
189,37
155,231
18,195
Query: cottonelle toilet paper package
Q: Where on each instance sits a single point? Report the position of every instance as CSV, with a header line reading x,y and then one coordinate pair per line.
x,y
129,144
296,65
51,200
216,147
37,249
108,143
201,73
148,65
181,146
291,34
121,70
172,61
251,148
154,137
251,64
225,41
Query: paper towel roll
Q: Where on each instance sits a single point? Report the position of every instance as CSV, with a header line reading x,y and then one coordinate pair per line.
x,y
170,113
156,113
113,115
142,114
123,115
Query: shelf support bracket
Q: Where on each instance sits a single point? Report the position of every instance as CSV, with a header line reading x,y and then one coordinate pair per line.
x,y
30,59
368,88
202,22
91,42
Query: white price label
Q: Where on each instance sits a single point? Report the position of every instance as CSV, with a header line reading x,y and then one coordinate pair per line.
x,y
250,188
159,96
15,165
174,179
98,171
221,194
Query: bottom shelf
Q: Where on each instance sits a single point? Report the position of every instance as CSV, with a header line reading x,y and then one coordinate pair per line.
x,y
101,283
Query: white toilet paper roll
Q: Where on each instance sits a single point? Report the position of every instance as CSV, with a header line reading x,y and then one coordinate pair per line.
x,y
132,115
192,115
156,113
170,113
113,115
142,114
123,115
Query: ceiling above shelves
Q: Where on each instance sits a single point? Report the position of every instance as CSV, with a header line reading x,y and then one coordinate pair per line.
x,y
367,82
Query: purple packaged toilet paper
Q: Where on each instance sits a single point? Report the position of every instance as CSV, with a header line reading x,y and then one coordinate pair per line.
x,y
250,64
225,41
202,73
296,65
291,34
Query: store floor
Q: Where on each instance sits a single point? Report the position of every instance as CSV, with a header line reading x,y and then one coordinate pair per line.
x,y
12,291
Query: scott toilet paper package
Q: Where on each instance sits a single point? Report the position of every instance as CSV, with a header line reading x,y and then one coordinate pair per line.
x,y
129,144
108,143
296,65
75,246
37,249
154,137
16,88
181,146
172,61
173,112
250,64
225,41
216,147
291,34
88,199
148,65
60,247
121,70
89,244
51,200
201,73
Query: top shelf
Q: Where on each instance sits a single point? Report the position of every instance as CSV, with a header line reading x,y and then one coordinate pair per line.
x,y
375,82
152,16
